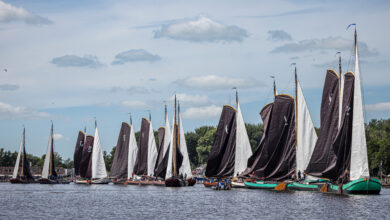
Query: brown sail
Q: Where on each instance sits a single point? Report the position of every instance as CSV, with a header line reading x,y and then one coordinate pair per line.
x,y
78,152
141,162
222,156
160,168
323,157
86,160
120,161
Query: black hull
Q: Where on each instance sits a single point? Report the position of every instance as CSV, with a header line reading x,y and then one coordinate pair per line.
x,y
21,181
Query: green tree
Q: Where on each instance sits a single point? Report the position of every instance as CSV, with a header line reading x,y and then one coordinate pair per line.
x,y
205,143
378,145
255,132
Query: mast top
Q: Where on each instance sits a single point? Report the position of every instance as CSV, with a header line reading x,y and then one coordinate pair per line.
x,y
131,120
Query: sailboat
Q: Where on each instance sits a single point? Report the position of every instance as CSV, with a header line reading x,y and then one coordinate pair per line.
x,y
125,154
146,155
231,149
24,176
85,164
78,153
347,166
178,168
164,137
95,172
49,174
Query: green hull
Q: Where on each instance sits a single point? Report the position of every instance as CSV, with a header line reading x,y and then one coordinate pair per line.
x,y
260,185
304,187
360,186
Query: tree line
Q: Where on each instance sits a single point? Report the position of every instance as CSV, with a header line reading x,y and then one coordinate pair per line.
x,y
200,142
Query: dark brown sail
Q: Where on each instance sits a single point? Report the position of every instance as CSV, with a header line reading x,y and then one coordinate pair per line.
x,y
141,162
86,159
265,114
26,167
323,157
78,152
160,168
52,171
277,158
222,156
342,143
120,161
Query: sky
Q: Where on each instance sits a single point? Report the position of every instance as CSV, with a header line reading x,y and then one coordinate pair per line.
x,y
73,61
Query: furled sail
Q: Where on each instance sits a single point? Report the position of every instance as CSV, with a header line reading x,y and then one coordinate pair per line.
x,y
323,155
98,165
277,159
222,156
17,164
359,160
185,168
133,149
306,134
243,146
78,152
48,169
86,159
120,161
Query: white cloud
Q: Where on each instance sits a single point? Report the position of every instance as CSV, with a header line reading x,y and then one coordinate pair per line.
x,y
279,35
58,136
131,89
76,61
201,29
134,104
214,82
135,56
9,87
10,13
192,100
211,111
8,111
330,43
379,107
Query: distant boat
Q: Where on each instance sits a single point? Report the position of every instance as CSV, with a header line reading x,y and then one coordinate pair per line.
x,y
49,174
78,153
24,176
178,169
231,150
146,155
344,160
125,155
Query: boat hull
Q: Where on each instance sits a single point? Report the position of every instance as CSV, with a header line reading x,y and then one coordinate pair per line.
x,y
304,187
238,184
47,181
158,183
21,181
96,181
208,184
260,185
365,186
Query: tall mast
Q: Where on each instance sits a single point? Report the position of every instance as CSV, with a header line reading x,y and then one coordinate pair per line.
x,y
178,123
131,120
174,142
166,112
274,88
24,142
236,98
51,150
296,107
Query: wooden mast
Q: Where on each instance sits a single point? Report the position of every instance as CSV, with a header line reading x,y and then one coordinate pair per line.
x,y
51,152
274,88
296,108
24,135
174,142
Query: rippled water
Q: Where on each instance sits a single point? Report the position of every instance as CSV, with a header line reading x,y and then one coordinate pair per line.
x,y
135,202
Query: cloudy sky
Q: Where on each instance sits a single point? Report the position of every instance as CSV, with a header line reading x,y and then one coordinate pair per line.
x,y
72,61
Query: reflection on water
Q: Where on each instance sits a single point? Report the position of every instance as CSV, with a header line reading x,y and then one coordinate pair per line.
x,y
113,201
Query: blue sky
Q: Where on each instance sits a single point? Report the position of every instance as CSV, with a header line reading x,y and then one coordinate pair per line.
x,y
72,61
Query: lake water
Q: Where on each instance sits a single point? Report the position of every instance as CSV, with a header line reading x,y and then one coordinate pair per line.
x,y
136,202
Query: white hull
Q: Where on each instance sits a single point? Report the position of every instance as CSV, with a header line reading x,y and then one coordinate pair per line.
x,y
238,185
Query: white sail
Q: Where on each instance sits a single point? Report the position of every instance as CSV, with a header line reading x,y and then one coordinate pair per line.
x,y
167,136
98,165
152,151
359,160
132,155
169,172
243,146
185,168
46,164
306,134
16,168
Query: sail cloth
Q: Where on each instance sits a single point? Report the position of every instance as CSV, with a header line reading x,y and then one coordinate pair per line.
x,y
17,164
160,167
342,143
323,155
120,161
185,168
26,165
86,162
98,165
243,146
133,149
141,163
306,134
275,157
49,165
222,156
359,160
152,151
169,172
78,152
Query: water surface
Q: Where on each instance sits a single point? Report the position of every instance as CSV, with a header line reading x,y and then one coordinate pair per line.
x,y
135,202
